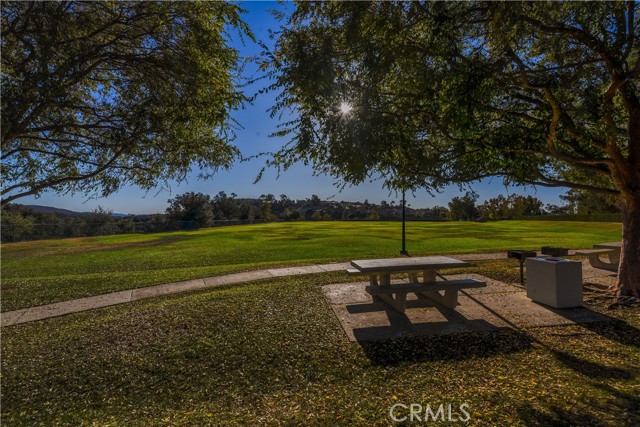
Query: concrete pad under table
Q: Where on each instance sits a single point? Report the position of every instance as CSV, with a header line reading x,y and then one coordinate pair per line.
x,y
496,306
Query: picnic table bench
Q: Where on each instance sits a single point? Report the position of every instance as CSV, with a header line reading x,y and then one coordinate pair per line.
x,y
395,295
611,249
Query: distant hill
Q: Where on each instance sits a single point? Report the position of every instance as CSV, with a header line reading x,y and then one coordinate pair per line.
x,y
51,209
59,211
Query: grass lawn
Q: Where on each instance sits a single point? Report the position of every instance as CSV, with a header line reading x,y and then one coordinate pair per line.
x,y
41,272
273,353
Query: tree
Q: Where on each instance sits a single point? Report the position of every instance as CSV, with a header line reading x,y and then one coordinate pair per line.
x,y
510,207
542,93
247,212
270,198
292,214
315,200
191,207
495,208
15,225
525,205
225,207
464,207
96,95
582,202
552,209
100,222
374,215
265,210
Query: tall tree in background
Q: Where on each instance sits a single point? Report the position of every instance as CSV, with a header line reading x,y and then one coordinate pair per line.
x,y
582,202
191,207
96,95
464,207
428,93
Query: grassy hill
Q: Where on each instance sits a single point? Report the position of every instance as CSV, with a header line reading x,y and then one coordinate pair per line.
x,y
48,271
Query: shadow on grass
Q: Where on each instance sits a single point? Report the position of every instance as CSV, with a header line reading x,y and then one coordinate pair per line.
x,y
616,330
555,416
628,405
622,406
438,321
459,346
592,370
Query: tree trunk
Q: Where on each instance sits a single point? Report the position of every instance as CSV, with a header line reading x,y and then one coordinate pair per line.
x,y
628,283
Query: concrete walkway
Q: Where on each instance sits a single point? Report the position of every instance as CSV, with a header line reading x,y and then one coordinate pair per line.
x,y
41,312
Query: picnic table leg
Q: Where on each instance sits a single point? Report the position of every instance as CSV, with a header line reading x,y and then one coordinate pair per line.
x,y
413,277
429,276
596,262
449,299
373,279
399,303
614,258
385,279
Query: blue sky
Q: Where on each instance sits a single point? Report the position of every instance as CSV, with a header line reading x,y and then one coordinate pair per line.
x,y
297,183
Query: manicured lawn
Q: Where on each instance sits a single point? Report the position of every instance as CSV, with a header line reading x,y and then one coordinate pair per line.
x,y
273,353
35,273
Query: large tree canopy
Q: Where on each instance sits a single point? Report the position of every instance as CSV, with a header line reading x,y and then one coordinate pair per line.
x,y
99,94
428,93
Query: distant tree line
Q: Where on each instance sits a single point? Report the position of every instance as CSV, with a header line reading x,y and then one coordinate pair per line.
x,y
195,210
20,223
500,207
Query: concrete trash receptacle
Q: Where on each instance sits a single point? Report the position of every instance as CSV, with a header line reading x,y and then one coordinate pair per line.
x,y
556,282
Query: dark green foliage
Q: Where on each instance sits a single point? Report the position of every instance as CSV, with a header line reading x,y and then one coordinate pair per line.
x,y
455,91
450,92
464,207
583,202
96,95
225,207
191,207
21,223
511,207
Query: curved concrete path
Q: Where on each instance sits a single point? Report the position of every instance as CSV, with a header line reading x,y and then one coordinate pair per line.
x,y
41,312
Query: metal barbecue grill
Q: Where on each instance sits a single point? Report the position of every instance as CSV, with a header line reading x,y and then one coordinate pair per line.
x,y
521,256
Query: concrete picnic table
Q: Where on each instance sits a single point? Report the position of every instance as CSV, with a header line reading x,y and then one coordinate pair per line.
x,y
380,271
611,249
609,245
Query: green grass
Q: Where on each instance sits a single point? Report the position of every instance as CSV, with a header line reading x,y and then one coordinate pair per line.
x,y
41,272
273,353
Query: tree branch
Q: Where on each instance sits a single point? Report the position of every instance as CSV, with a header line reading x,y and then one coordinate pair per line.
x,y
37,188
550,182
578,34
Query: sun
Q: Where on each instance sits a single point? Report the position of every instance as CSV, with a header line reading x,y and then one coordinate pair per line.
x,y
345,108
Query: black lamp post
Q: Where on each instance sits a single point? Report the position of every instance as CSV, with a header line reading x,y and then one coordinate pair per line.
x,y
404,228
